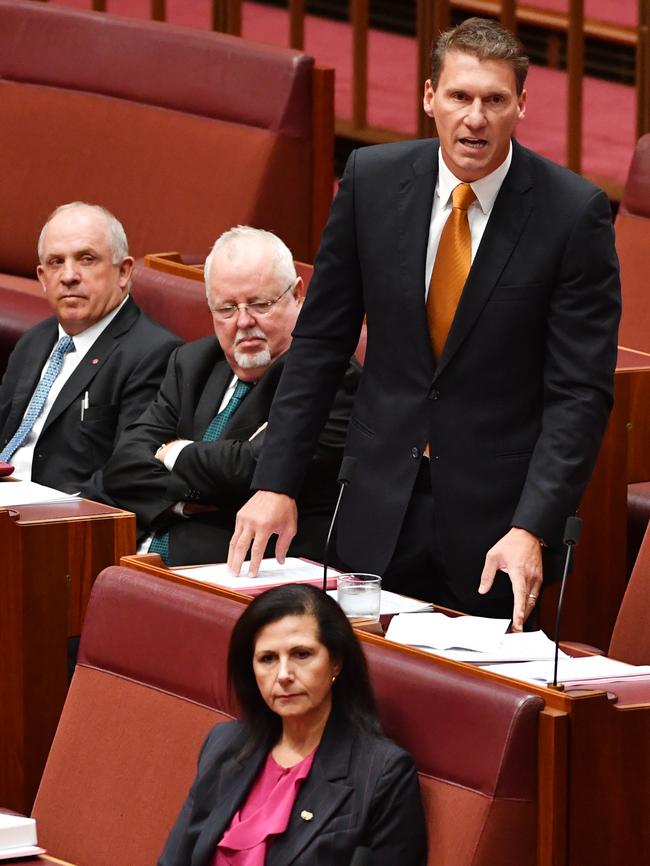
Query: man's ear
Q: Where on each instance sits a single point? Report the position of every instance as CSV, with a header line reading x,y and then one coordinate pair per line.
x,y
299,290
428,98
40,273
126,269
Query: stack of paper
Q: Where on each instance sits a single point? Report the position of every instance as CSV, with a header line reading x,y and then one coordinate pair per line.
x,y
474,639
14,493
271,573
571,670
441,632
17,836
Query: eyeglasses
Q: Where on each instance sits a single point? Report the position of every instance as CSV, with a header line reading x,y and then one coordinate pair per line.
x,y
256,308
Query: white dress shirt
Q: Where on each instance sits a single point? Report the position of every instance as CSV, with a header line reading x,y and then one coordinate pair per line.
x,y
24,456
486,190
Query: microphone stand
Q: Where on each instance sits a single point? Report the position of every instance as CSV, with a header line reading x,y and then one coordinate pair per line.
x,y
346,472
571,537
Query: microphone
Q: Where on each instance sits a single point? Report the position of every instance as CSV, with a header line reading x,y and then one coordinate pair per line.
x,y
572,529
361,857
348,465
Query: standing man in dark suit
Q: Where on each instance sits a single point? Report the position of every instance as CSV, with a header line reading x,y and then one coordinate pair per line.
x,y
490,284
74,381
212,409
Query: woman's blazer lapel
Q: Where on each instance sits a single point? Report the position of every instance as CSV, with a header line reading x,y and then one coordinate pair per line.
x,y
322,795
228,791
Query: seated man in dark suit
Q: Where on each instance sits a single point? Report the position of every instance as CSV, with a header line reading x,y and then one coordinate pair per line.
x,y
211,414
75,381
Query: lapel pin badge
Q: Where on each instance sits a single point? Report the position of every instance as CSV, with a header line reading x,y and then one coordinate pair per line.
x,y
95,361
306,816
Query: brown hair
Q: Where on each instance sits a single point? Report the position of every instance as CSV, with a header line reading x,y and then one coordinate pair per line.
x,y
485,39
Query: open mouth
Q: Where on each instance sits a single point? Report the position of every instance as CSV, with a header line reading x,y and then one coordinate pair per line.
x,y
474,143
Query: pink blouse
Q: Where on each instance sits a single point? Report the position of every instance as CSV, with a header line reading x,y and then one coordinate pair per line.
x,y
263,816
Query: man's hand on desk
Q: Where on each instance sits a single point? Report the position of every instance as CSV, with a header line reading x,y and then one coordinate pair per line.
x,y
519,554
265,514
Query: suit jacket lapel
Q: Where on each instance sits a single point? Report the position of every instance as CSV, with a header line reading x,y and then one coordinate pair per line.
x,y
414,204
322,794
505,225
94,360
230,789
211,397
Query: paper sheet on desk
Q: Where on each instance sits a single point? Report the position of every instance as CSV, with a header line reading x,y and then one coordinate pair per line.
x,y
14,493
392,602
438,631
573,670
516,647
271,573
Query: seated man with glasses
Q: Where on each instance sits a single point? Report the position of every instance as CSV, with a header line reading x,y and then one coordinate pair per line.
x,y
186,465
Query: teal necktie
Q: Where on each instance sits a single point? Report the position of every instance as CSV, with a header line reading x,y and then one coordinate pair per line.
x,y
160,541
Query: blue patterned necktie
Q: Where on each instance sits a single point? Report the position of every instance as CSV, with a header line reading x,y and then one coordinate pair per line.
x,y
160,541
39,397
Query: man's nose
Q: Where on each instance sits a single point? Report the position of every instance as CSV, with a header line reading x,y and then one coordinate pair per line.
x,y
244,318
475,114
69,272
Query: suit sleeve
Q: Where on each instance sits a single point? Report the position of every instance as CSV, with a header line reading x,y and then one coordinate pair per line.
x,y
397,830
580,358
324,339
138,391
133,477
220,473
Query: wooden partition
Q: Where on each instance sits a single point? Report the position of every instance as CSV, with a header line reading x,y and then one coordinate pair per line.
x,y
51,554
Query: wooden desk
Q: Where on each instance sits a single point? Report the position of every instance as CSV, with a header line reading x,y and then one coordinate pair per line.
x,y
593,757
51,555
597,584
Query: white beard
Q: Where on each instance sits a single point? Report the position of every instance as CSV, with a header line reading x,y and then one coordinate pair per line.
x,y
246,360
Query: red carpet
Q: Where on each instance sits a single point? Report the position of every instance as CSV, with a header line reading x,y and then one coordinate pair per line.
x,y
608,114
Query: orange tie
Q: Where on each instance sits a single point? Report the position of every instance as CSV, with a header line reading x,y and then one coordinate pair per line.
x,y
451,267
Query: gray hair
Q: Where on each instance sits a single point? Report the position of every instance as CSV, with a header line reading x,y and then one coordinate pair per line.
x,y
282,256
115,229
485,39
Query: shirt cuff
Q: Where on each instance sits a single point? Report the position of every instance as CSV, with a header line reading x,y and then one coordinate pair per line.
x,y
171,455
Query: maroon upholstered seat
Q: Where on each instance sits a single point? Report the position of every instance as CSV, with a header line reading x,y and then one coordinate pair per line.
x,y
150,682
633,247
224,136
631,636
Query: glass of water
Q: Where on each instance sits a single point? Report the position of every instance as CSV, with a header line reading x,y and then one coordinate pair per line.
x,y
359,595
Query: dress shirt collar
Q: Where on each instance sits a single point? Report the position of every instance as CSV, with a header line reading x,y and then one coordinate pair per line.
x,y
485,189
84,340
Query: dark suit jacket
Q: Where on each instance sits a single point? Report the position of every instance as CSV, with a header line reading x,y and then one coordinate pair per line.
x,y
362,791
121,372
218,473
515,409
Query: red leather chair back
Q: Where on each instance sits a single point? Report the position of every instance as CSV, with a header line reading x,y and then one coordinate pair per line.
x,y
633,247
151,681
631,636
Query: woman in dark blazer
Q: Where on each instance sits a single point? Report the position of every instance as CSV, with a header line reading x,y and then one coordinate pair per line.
x,y
305,778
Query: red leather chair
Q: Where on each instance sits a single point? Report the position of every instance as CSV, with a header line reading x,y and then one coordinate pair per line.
x,y
633,247
150,682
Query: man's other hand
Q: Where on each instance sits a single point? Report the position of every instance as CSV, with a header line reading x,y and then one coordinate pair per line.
x,y
519,554
264,515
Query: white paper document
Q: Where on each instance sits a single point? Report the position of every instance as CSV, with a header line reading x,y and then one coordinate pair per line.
x,y
16,833
438,631
14,493
271,573
392,602
516,647
571,670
